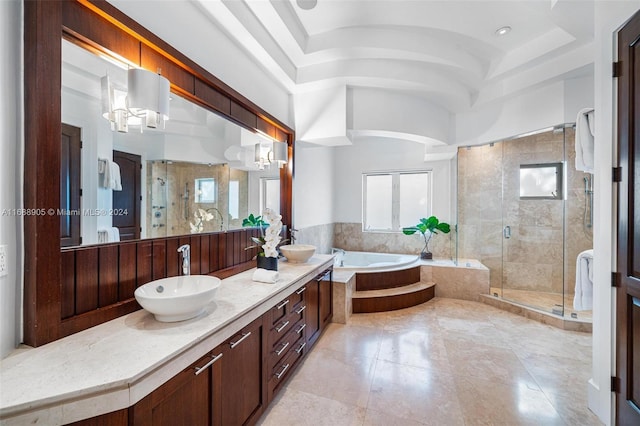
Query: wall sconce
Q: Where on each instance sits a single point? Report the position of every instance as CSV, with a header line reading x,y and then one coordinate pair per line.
x,y
144,103
272,152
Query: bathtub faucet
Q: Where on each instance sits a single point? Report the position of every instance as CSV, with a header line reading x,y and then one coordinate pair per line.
x,y
340,251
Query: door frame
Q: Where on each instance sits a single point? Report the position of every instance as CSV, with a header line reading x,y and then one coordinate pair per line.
x,y
627,277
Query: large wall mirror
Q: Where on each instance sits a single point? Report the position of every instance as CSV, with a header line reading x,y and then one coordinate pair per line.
x,y
193,168
196,173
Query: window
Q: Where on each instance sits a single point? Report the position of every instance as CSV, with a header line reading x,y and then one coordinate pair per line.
x,y
541,181
234,199
395,200
205,190
270,194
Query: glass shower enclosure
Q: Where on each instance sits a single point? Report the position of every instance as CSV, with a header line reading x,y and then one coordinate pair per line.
x,y
523,211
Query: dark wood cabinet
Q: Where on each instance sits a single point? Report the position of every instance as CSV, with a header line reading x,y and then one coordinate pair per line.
x,y
286,338
233,384
186,399
243,395
116,418
326,298
319,305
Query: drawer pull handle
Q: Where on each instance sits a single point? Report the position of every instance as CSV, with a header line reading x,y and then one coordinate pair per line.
x,y
301,347
284,324
282,349
208,364
236,343
284,368
300,291
280,306
302,308
298,331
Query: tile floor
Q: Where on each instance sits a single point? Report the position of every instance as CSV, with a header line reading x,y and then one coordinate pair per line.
x,y
445,362
543,301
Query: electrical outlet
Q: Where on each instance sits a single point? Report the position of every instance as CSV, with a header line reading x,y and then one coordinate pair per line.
x,y
3,261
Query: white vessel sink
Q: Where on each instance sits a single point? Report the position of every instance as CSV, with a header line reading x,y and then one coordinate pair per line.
x,y
298,253
177,298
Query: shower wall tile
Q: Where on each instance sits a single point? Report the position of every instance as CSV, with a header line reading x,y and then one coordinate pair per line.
x,y
528,276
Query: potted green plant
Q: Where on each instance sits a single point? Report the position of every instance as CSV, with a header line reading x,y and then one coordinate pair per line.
x,y
427,227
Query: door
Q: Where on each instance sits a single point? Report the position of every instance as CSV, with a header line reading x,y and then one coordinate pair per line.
x,y
533,221
243,395
128,202
70,192
628,295
185,400
312,313
326,299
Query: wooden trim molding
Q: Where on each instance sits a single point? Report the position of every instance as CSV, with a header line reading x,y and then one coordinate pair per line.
x,y
66,291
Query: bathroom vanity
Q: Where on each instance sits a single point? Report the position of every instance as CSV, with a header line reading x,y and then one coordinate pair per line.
x,y
223,367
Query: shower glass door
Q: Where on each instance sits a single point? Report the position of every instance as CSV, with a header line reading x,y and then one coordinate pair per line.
x,y
533,211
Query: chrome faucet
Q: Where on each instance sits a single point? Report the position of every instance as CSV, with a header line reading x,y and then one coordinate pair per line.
x,y
339,251
293,232
186,258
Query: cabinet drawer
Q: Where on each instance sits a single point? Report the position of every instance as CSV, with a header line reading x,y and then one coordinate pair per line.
x,y
282,369
297,297
280,348
278,313
282,327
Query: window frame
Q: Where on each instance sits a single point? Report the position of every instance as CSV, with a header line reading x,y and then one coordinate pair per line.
x,y
263,191
395,198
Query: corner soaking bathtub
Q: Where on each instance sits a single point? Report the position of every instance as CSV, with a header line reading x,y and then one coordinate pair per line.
x,y
366,261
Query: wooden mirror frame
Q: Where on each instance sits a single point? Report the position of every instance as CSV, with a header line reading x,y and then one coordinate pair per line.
x,y
99,26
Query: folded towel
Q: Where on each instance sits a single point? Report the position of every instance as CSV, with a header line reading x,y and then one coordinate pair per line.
x,y
585,131
583,297
265,276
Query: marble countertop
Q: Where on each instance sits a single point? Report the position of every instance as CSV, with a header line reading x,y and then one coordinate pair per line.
x,y
115,364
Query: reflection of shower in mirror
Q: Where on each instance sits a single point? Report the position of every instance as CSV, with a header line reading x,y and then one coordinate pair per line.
x,y
588,202
185,197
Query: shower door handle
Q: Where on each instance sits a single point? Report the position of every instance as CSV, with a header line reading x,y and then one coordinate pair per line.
x,y
506,232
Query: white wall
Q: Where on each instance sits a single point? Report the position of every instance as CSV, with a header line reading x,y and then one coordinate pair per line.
x,y
206,44
531,111
375,109
81,111
11,160
609,16
578,95
314,185
372,155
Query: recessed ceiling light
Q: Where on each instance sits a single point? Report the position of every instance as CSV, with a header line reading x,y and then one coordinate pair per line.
x,y
306,4
503,30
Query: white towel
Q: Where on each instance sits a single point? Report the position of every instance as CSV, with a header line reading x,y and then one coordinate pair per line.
x,y
109,175
109,235
585,132
104,173
583,297
116,182
265,276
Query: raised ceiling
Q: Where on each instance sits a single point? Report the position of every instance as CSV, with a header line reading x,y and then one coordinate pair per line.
x,y
445,54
